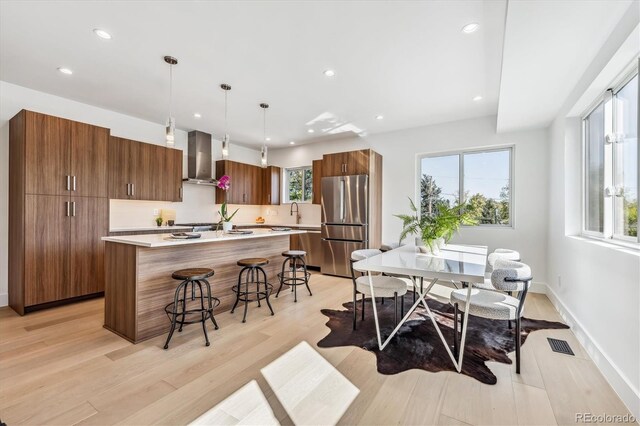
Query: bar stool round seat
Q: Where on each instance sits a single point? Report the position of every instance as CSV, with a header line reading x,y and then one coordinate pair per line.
x,y
252,274
253,262
192,274
294,272
179,311
294,253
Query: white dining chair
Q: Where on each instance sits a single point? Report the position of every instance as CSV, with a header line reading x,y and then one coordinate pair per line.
x,y
384,286
507,276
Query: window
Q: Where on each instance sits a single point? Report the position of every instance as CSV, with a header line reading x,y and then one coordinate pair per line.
x,y
610,134
298,185
482,179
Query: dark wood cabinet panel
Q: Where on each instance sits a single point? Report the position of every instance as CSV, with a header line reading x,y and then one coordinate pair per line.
x,y
143,184
174,169
89,223
88,160
316,171
246,183
271,185
46,249
123,157
357,162
333,164
46,154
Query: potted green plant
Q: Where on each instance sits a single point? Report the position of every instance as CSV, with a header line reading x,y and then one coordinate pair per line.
x,y
159,220
436,228
224,183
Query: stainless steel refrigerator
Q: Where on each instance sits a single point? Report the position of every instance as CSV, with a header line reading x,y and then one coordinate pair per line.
x,y
345,216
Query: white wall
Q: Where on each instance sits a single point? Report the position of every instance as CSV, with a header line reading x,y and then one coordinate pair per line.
x,y
199,202
594,285
399,150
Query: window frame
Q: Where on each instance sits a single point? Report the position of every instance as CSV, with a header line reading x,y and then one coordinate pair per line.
x,y
285,186
609,95
461,153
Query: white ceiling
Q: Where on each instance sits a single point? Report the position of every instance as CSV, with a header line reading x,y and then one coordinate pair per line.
x,y
547,47
406,60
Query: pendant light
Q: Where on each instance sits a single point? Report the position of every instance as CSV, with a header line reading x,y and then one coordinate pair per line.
x,y
263,152
171,122
225,139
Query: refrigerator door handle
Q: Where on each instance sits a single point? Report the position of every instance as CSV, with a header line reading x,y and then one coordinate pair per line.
x,y
342,206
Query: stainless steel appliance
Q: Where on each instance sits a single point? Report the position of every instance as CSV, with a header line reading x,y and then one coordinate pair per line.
x,y
197,227
199,159
345,214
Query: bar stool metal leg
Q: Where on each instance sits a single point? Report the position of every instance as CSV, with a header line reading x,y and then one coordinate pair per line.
x,y
306,276
246,296
174,316
184,304
266,289
281,277
238,292
213,319
203,312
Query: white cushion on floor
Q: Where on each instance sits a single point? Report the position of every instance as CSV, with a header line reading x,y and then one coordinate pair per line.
x,y
383,286
487,304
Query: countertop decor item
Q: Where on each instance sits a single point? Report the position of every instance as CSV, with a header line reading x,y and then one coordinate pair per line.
x,y
434,228
224,183
159,220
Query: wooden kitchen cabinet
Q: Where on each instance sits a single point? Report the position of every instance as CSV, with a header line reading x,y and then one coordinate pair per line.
x,y
46,252
143,171
316,171
58,210
88,160
347,163
271,185
89,222
246,183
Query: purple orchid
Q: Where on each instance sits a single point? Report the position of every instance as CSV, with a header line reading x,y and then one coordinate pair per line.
x,y
224,182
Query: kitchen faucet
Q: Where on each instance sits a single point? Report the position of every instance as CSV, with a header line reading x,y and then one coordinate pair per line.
x,y
297,213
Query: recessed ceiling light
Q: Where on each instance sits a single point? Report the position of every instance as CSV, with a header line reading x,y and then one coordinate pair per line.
x,y
267,139
64,70
379,117
470,28
102,33
197,115
292,143
310,130
477,98
329,73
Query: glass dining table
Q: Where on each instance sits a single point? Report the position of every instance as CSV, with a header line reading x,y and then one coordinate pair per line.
x,y
455,263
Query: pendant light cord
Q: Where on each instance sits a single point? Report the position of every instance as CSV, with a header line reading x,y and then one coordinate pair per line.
x,y
226,123
170,89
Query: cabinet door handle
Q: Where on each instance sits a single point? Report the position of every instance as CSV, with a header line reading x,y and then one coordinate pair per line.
x,y
66,208
244,197
68,183
269,198
133,188
128,191
180,192
74,183
73,208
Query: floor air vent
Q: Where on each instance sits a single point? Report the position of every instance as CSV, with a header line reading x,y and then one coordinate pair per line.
x,y
560,346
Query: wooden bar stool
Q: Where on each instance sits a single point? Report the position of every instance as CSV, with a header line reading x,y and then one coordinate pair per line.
x,y
292,276
252,272
177,310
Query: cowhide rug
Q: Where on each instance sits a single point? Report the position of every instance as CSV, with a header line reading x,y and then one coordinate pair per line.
x,y
417,344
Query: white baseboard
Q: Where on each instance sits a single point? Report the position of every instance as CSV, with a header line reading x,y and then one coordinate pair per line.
x,y
629,395
4,299
538,288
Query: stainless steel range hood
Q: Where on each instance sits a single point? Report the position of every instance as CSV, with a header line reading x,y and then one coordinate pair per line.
x,y
199,159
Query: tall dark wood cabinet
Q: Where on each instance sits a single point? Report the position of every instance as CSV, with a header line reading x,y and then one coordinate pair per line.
x,y
316,171
271,186
247,182
58,209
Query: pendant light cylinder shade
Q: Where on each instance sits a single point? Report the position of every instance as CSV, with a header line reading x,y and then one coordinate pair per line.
x,y
170,132
226,139
170,128
263,153
225,146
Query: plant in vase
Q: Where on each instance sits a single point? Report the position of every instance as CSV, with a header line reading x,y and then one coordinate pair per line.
x,y
159,220
224,183
434,229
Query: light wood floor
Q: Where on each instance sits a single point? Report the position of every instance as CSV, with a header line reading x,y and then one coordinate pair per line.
x,y
61,367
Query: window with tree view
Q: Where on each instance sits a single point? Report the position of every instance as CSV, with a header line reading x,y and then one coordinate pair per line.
x,y
479,179
611,164
298,184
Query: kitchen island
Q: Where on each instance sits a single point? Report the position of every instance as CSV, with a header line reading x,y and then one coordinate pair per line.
x,y
138,268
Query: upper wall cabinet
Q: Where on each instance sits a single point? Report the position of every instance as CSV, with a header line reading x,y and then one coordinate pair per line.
x,y
316,171
142,171
271,185
64,157
346,163
248,183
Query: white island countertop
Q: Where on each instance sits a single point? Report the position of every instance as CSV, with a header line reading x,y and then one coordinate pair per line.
x,y
165,240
